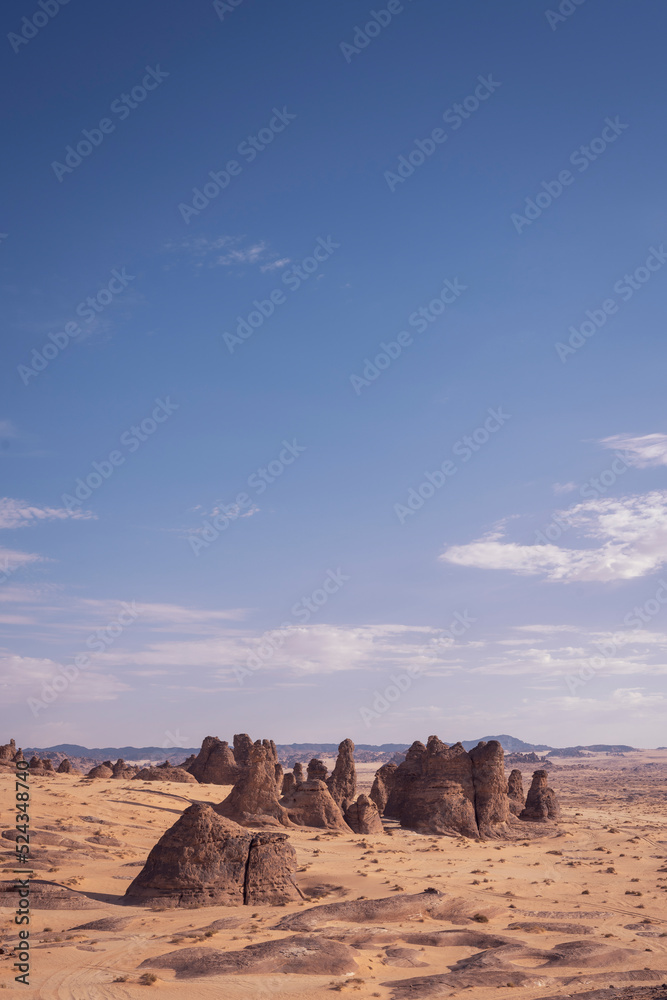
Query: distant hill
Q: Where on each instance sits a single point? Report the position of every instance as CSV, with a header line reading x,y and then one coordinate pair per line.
x,y
289,752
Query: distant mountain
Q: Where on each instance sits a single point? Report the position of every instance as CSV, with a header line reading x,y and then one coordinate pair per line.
x,y
298,751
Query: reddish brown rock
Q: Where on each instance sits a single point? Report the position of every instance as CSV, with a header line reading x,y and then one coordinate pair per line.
x,y
215,763
278,773
253,801
123,771
310,804
271,862
492,809
289,783
35,764
66,767
100,771
8,751
362,816
164,774
317,770
541,802
48,765
205,859
342,784
442,798
382,784
404,775
298,773
242,749
515,793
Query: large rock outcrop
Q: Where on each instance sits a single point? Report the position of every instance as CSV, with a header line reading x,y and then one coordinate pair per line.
x,y
8,751
445,790
317,770
253,801
382,784
541,802
298,772
342,783
515,792
289,783
492,808
362,816
66,767
215,763
310,804
205,859
242,749
100,771
164,774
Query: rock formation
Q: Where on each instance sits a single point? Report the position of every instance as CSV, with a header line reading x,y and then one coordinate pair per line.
x,y
382,785
100,771
541,802
492,808
164,774
242,748
35,764
278,772
310,804
253,801
403,777
298,773
517,798
289,783
205,859
317,770
362,816
342,784
123,771
65,767
215,764
444,790
47,765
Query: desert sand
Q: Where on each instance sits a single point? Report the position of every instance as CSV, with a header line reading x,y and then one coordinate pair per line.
x,y
582,909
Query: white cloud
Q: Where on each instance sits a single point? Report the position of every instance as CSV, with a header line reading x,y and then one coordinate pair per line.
x,y
206,252
20,514
564,487
644,451
632,530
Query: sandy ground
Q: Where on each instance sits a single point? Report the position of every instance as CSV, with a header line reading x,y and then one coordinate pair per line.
x,y
603,870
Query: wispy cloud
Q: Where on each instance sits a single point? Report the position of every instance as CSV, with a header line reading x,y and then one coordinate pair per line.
x,y
645,451
632,531
225,251
20,514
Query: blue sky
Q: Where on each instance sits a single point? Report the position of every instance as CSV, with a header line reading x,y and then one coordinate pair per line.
x,y
529,201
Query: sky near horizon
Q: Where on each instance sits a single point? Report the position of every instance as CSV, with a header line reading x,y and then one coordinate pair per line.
x,y
332,396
